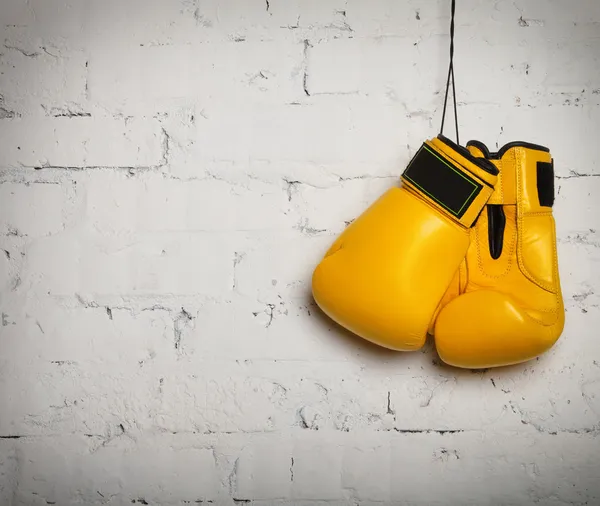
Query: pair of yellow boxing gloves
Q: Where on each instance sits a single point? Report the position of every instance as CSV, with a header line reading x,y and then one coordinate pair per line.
x,y
464,249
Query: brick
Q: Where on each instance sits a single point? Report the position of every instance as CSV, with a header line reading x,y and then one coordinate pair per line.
x,y
315,13
5,269
265,470
520,72
232,14
180,393
290,330
277,267
9,470
160,75
11,249
363,472
261,72
44,474
153,203
155,23
15,13
59,84
240,20
167,474
229,397
166,264
534,77
332,133
360,66
76,397
458,466
575,198
80,142
44,331
317,471
579,277
190,158
552,413
248,21
63,20
31,209
148,78
233,397
381,17
148,472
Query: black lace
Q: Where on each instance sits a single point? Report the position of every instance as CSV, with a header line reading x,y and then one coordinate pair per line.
x,y
451,75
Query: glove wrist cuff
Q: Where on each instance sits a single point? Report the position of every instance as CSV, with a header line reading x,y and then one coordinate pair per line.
x,y
451,182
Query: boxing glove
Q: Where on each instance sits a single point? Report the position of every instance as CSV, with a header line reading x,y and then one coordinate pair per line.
x,y
505,306
386,273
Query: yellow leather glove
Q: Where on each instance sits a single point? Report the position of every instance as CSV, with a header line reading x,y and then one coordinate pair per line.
x,y
504,306
386,273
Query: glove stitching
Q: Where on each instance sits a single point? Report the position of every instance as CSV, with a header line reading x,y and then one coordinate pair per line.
x,y
558,294
548,328
540,213
501,181
521,225
542,284
500,189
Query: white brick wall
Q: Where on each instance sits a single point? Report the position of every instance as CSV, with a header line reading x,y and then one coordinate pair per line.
x,y
170,174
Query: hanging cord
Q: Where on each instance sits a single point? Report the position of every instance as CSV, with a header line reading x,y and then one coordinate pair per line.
x,y
451,76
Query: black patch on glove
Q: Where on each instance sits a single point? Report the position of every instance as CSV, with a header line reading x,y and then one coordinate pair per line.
x,y
496,224
545,183
440,179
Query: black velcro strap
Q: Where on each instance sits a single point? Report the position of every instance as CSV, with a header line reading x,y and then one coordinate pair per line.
x,y
545,183
442,182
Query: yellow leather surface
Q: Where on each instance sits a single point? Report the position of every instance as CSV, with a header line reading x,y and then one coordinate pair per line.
x,y
386,273
488,328
511,308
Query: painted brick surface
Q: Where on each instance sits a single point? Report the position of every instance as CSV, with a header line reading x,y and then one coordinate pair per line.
x,y
170,174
